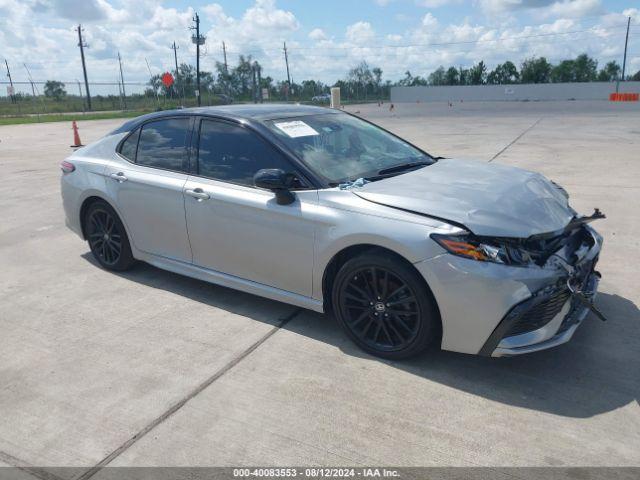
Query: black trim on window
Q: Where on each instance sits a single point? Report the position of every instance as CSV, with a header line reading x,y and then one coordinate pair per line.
x,y
124,140
189,140
307,175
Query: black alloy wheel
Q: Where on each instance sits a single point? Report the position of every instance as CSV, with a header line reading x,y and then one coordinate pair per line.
x,y
384,306
107,237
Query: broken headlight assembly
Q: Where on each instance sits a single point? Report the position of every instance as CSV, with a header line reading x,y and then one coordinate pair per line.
x,y
575,240
484,249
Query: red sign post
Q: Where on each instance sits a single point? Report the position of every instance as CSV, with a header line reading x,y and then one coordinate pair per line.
x,y
167,79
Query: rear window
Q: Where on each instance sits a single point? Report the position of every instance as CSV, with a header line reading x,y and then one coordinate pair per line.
x,y
163,144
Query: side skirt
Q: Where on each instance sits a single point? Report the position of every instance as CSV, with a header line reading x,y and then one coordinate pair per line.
x,y
231,281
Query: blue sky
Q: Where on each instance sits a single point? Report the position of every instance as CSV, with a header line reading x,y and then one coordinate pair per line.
x,y
325,38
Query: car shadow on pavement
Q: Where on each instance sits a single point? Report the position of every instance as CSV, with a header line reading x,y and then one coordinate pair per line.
x,y
596,372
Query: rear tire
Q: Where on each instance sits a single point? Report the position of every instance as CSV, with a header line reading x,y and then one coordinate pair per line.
x,y
385,306
107,237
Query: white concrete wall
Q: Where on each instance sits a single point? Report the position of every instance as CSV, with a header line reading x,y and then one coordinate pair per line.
x,y
490,93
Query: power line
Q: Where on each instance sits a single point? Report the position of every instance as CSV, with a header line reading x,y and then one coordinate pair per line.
x,y
464,42
592,29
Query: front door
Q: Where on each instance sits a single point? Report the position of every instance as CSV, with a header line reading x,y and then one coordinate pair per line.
x,y
240,230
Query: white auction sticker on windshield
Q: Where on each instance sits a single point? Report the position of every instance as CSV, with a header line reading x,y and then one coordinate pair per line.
x,y
296,129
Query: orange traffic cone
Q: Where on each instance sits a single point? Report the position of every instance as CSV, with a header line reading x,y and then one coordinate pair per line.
x,y
76,135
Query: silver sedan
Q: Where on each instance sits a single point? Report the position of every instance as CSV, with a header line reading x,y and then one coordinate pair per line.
x,y
323,210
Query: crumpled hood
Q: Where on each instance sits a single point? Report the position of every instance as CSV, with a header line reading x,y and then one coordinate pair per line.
x,y
488,198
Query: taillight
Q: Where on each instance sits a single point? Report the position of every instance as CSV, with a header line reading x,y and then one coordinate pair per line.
x,y
67,167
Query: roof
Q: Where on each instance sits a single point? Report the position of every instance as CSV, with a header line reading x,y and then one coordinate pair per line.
x,y
263,111
250,112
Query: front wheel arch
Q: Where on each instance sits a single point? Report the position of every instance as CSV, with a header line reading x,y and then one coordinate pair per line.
x,y
346,254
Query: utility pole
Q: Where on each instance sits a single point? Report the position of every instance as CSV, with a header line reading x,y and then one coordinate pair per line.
x,y
13,98
224,52
226,68
150,76
624,60
626,42
198,40
175,48
33,88
253,81
124,93
259,68
81,44
286,60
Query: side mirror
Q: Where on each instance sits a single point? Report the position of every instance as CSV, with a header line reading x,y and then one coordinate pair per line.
x,y
278,182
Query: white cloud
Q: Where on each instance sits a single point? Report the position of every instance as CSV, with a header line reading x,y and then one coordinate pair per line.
x,y
317,34
634,13
429,21
576,8
37,32
360,32
544,8
265,16
435,3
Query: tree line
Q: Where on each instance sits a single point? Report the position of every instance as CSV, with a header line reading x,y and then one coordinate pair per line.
x,y
364,82
533,70
245,82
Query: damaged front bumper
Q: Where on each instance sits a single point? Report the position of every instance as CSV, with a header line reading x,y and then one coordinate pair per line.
x,y
500,310
556,331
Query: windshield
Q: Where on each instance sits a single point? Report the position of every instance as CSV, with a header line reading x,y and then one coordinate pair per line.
x,y
341,148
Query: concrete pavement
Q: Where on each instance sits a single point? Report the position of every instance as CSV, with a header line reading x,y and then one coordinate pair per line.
x,y
150,368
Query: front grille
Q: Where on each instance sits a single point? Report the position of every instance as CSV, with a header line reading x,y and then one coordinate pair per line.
x,y
540,314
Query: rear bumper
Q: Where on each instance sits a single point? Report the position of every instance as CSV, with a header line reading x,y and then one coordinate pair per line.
x,y
71,204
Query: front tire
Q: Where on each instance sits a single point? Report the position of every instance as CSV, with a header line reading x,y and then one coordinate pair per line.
x,y
385,306
107,237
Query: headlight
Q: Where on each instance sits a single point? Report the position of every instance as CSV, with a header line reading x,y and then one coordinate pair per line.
x,y
481,249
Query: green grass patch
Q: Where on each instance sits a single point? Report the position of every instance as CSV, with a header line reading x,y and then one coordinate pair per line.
x,y
61,117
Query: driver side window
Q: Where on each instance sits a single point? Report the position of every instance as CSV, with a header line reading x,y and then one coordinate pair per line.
x,y
234,154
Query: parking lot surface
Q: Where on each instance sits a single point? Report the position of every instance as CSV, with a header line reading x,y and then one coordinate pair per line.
x,y
148,368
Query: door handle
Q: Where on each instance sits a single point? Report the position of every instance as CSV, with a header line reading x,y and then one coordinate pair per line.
x,y
119,177
198,194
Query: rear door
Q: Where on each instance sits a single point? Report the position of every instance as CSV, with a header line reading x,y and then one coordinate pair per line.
x,y
148,188
238,229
